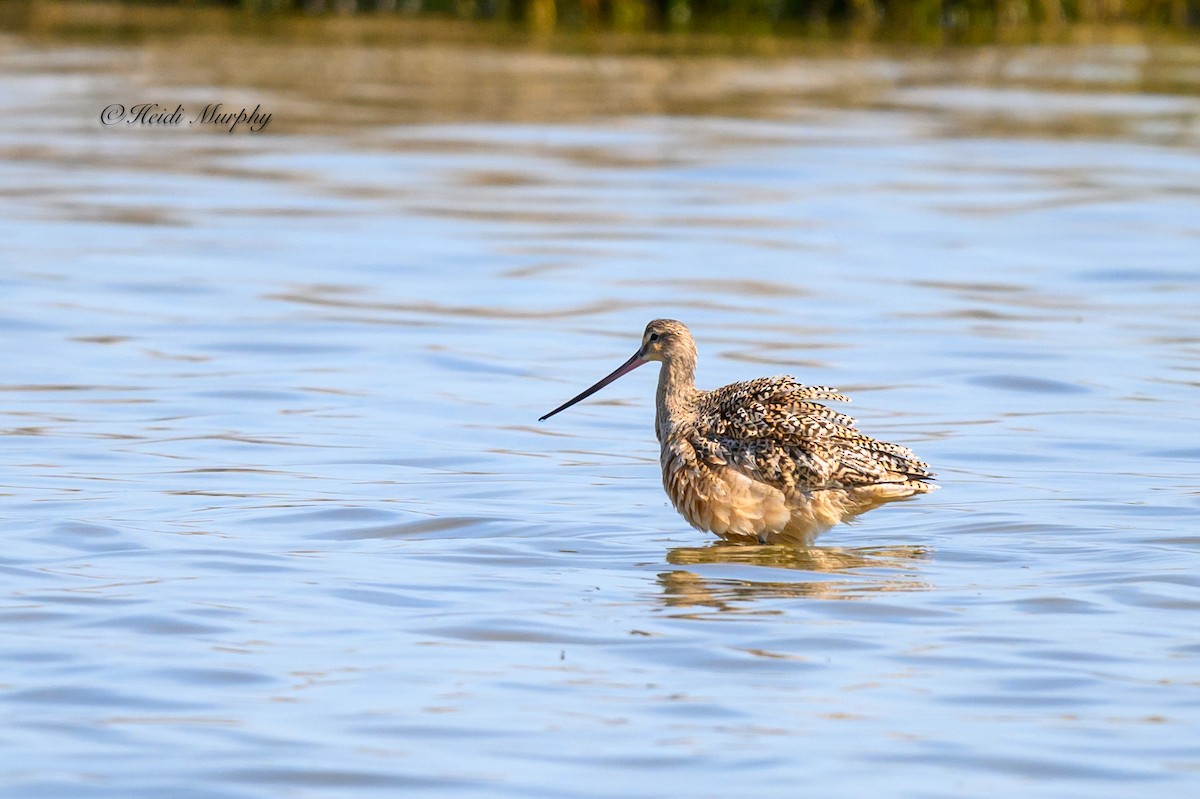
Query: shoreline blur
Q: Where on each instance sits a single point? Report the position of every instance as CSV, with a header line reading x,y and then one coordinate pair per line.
x,y
661,27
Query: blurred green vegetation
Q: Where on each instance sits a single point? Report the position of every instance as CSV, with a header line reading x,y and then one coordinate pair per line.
x,y
903,17
900,20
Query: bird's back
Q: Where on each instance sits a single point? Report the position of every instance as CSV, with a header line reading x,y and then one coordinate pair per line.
x,y
775,430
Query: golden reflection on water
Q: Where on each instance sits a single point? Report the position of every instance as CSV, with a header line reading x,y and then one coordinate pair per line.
x,y
336,74
683,588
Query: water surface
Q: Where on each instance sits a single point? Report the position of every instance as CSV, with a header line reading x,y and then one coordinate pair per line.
x,y
279,520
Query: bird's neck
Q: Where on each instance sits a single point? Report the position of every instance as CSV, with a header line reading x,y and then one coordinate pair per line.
x,y
676,400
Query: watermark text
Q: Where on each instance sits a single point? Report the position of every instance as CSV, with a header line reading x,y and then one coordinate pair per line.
x,y
215,114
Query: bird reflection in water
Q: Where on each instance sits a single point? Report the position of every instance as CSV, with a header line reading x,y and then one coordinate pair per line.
x,y
836,573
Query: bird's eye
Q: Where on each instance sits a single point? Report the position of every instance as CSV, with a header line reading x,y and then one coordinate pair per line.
x,y
654,337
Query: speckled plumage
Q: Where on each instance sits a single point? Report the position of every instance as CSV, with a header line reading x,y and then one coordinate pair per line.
x,y
763,460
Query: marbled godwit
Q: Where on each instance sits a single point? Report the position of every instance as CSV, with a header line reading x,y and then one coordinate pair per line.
x,y
762,460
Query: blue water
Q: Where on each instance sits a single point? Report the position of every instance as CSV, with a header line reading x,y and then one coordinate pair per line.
x,y
279,520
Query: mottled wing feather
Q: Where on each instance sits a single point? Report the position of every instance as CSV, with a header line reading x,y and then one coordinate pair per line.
x,y
772,429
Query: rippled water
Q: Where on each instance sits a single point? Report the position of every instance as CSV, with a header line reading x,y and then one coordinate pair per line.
x,y
279,520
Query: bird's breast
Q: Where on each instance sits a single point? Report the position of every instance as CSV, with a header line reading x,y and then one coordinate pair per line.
x,y
715,497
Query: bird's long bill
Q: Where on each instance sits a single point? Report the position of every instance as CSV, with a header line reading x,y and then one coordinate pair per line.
x,y
623,369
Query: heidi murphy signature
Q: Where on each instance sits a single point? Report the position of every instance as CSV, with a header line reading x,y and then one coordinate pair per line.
x,y
213,114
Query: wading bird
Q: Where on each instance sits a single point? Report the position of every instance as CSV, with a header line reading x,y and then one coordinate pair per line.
x,y
762,460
